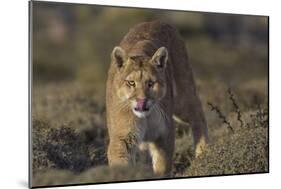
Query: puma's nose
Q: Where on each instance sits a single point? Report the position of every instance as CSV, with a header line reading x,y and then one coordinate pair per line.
x,y
141,105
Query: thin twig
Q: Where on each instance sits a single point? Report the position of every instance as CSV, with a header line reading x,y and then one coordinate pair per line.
x,y
221,116
237,109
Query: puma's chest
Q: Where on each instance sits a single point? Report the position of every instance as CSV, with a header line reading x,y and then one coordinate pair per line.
x,y
151,128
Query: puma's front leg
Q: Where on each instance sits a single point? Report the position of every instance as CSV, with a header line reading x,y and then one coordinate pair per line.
x,y
122,151
117,153
161,154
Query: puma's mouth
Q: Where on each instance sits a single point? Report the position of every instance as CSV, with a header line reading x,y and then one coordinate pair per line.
x,y
141,113
145,109
141,108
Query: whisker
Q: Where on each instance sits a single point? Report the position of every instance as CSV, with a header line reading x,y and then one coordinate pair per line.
x,y
162,111
159,113
121,106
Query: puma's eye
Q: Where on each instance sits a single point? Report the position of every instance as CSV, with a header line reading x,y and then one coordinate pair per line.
x,y
131,83
150,84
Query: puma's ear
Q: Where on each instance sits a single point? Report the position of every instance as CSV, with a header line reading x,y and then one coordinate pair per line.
x,y
118,56
160,57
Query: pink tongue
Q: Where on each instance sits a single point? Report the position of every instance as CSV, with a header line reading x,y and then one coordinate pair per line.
x,y
141,104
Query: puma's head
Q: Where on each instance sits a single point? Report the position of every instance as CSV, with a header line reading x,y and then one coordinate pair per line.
x,y
140,80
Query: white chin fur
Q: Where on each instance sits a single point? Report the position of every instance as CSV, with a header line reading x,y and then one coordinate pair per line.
x,y
141,114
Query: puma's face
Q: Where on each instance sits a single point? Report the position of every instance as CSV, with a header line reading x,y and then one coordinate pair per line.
x,y
142,89
142,83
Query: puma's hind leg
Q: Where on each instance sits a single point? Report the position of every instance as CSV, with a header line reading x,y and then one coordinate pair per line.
x,y
190,110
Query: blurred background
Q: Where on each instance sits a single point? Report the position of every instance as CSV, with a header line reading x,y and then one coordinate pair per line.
x,y
71,54
74,42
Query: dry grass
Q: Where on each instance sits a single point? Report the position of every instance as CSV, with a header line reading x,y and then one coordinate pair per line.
x,y
70,138
245,151
98,174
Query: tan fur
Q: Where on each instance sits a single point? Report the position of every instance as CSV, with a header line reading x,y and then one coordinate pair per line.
x,y
151,51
